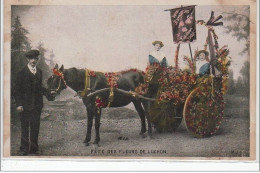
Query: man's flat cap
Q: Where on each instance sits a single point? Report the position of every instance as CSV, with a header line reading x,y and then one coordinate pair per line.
x,y
32,54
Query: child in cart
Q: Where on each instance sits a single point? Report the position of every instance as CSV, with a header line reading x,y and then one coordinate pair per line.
x,y
202,62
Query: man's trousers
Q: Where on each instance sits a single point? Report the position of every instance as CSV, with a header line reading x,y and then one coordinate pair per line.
x,y
30,126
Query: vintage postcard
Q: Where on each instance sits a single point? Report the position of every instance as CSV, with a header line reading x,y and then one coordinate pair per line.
x,y
167,80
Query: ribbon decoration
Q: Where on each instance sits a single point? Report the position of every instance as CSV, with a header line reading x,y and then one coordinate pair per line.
x,y
213,20
60,74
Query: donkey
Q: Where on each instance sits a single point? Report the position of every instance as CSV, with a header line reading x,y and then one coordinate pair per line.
x,y
127,81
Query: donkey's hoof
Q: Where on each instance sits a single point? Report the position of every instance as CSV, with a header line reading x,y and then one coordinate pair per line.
x,y
95,142
144,135
141,133
86,143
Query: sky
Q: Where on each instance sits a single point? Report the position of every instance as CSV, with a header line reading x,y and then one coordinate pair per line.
x,y
115,38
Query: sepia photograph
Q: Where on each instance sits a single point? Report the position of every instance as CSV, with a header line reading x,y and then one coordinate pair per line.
x,y
130,80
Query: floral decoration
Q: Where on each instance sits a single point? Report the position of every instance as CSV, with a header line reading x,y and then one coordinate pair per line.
x,y
223,60
190,63
112,78
204,111
223,63
92,73
176,86
99,102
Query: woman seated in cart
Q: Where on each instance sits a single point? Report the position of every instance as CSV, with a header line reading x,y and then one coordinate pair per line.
x,y
157,56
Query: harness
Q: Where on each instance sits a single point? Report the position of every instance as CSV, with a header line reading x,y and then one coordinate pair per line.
x,y
87,84
112,79
61,75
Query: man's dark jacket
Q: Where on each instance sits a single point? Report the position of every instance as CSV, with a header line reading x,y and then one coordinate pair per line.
x,y
29,90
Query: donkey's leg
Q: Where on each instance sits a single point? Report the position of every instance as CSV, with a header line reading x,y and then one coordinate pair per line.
x,y
141,114
97,125
147,106
90,123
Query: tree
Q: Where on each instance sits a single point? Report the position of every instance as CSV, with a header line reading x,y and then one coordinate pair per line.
x,y
239,86
42,62
243,82
19,40
231,83
20,43
239,25
245,72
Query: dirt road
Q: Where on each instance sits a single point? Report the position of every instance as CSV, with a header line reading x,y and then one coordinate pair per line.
x,y
64,124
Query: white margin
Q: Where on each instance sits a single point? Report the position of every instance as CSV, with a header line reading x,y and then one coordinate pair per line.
x,y
1,82
257,83
129,165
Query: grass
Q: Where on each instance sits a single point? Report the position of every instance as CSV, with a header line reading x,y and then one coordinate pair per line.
x,y
236,106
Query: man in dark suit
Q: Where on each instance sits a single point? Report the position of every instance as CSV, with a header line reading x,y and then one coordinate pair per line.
x,y
29,101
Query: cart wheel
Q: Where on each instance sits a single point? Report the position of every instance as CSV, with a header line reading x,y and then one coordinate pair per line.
x,y
166,117
203,111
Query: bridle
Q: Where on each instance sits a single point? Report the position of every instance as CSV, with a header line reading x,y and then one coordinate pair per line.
x,y
61,76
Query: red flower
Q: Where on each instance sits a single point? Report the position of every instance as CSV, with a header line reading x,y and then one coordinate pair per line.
x,y
92,73
99,102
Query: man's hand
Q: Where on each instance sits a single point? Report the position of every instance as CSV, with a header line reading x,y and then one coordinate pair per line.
x,y
19,109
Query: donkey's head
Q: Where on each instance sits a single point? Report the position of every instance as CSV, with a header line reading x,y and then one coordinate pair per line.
x,y
56,82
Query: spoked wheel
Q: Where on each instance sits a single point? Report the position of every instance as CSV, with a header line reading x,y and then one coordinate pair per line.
x,y
203,111
166,117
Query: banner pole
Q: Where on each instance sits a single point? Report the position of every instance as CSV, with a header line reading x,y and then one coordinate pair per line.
x,y
176,59
190,52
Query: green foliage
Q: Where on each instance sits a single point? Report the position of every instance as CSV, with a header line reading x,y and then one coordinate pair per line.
x,y
19,39
231,83
241,86
245,72
243,83
20,43
239,26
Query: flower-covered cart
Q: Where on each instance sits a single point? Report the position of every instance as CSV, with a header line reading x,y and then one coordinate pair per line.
x,y
186,95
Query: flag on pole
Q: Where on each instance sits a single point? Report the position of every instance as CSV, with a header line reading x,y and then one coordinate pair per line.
x,y
183,24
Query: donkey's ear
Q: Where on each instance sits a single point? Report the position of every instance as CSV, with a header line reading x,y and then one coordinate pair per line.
x,y
61,68
56,66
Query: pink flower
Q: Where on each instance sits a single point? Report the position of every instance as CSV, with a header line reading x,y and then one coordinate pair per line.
x,y
188,20
184,29
181,24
